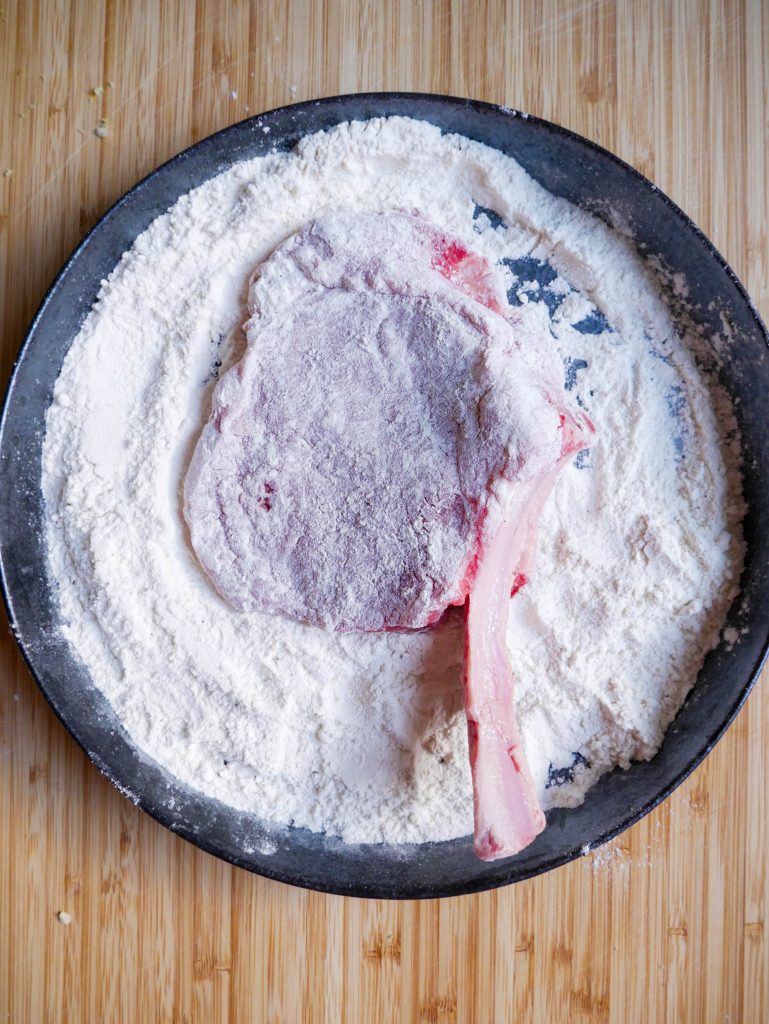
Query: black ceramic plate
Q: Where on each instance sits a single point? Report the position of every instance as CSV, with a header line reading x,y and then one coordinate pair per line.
x,y
566,165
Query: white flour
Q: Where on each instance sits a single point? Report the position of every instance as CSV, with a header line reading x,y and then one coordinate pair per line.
x,y
364,735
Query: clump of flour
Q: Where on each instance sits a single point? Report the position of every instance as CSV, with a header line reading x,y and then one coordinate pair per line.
x,y
364,735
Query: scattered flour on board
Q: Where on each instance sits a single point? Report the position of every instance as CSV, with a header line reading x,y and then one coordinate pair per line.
x,y
364,735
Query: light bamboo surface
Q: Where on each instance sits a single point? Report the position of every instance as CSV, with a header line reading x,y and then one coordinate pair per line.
x,y
667,923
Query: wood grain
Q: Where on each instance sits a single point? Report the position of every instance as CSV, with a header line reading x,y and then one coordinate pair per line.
x,y
667,923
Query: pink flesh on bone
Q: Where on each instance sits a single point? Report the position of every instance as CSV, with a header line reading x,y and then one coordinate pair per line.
x,y
491,555
506,810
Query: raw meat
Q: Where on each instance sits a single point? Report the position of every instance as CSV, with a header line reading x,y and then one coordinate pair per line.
x,y
381,451
506,809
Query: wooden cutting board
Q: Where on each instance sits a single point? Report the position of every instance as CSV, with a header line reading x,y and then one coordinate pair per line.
x,y
667,923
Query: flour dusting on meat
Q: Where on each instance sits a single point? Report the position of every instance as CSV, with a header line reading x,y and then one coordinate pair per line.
x,y
392,432
347,475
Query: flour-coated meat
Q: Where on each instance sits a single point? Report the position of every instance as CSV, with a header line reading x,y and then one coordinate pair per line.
x,y
383,450
348,469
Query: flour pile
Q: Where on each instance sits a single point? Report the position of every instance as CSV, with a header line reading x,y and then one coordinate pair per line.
x,y
364,736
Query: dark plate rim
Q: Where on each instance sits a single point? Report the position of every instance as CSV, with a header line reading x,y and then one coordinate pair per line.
x,y
418,891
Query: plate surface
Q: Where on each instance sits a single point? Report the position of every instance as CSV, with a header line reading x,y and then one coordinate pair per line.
x,y
566,165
